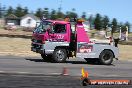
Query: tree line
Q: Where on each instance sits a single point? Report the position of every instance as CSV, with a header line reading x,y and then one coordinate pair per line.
x,y
98,21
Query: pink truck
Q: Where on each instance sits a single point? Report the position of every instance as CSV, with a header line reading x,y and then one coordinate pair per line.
x,y
56,41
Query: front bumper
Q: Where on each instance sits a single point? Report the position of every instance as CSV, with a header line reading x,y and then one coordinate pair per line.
x,y
37,48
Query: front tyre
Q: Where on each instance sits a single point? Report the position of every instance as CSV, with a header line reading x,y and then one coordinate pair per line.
x,y
59,55
106,57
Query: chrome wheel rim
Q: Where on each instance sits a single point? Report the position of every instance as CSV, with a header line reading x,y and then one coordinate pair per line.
x,y
60,54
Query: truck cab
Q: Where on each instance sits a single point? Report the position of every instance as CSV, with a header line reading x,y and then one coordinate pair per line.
x,y
50,35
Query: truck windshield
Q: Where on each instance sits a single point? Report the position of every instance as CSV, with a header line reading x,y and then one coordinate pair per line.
x,y
42,27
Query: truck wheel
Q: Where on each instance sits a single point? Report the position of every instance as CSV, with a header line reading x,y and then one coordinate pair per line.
x,y
59,55
46,58
106,57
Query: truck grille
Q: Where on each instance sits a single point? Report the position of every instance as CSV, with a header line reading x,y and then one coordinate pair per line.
x,y
36,41
36,46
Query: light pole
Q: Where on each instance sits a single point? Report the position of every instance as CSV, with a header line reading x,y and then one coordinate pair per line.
x,y
126,33
120,33
112,30
106,30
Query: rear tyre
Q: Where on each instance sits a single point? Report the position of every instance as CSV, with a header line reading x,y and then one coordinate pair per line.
x,y
46,58
59,55
106,57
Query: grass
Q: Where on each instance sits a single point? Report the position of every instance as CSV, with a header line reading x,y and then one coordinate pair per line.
x,y
125,52
14,32
130,34
1,27
16,46
117,34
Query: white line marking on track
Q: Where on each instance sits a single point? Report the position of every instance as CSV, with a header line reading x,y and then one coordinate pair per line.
x,y
21,72
13,72
55,73
108,75
130,60
2,71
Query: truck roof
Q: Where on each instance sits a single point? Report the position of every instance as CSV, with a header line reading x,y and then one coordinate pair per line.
x,y
57,21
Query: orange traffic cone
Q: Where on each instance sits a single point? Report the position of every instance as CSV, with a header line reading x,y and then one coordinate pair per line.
x,y
65,71
84,73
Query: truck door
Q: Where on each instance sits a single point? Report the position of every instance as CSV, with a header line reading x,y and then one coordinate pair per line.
x,y
59,33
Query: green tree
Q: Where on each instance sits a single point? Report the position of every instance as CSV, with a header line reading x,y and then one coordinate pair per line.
x,y
114,26
10,10
39,13
123,28
84,15
46,13
119,26
105,22
91,21
53,14
25,10
72,14
73,9
67,13
98,22
19,11
60,15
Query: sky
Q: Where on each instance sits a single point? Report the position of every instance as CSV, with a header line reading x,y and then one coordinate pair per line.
x,y
120,9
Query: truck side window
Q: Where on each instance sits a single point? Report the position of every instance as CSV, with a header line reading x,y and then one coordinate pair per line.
x,y
60,28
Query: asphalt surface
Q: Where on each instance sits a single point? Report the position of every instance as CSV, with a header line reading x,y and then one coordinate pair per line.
x,y
32,81
33,72
28,81
36,65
